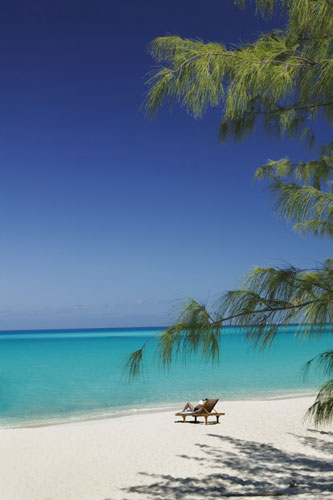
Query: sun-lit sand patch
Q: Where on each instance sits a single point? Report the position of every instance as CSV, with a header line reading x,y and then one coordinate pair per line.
x,y
259,447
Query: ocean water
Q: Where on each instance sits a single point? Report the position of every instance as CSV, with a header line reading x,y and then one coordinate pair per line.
x,y
56,376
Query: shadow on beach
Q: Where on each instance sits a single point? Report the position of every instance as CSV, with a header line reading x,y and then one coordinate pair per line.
x,y
251,469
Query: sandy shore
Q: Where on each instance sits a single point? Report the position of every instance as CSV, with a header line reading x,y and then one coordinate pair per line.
x,y
259,448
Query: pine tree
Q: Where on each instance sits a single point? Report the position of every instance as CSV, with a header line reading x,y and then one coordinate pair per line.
x,y
282,83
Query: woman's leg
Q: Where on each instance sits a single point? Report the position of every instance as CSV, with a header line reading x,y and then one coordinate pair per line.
x,y
188,406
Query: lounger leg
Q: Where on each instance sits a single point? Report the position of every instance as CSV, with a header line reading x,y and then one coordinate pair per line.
x,y
206,418
184,419
195,419
217,419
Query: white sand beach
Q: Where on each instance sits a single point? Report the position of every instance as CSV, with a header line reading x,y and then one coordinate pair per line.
x,y
259,448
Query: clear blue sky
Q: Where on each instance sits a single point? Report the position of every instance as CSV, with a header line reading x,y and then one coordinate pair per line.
x,y
106,217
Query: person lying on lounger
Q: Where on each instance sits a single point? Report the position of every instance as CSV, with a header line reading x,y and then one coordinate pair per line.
x,y
190,407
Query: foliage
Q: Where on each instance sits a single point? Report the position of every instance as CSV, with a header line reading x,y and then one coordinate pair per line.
x,y
284,79
282,82
303,191
322,409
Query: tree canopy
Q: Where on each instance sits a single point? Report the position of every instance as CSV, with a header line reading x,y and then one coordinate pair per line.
x,y
282,83
284,79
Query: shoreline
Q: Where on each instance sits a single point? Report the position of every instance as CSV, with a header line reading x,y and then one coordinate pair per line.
x,y
259,448
146,411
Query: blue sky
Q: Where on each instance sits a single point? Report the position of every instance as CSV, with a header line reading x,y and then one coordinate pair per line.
x,y
109,219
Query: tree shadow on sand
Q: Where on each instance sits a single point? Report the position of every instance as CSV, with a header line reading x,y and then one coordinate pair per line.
x,y
316,443
241,468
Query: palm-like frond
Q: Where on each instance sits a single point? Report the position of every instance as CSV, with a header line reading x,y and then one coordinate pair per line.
x,y
321,412
133,366
283,79
323,361
271,297
195,331
303,191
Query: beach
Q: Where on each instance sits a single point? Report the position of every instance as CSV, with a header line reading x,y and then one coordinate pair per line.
x,y
259,448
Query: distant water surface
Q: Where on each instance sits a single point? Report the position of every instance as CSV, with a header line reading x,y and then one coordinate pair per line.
x,y
53,376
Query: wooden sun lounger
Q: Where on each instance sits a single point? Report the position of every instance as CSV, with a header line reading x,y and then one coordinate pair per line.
x,y
206,411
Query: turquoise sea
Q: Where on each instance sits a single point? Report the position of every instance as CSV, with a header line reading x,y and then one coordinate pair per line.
x,y
54,376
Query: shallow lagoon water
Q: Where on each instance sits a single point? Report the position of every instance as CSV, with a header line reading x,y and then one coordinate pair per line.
x,y
54,376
